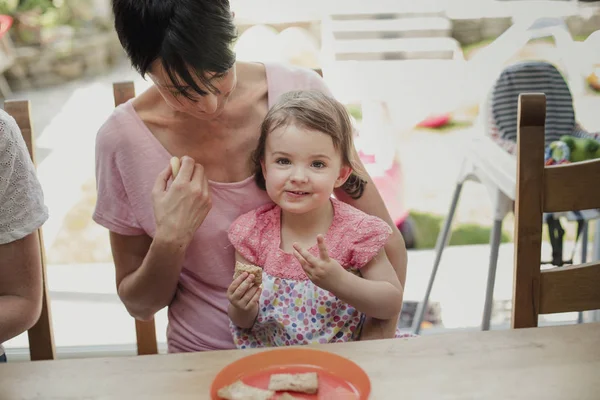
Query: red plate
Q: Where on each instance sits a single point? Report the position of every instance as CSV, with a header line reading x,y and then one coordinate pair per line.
x,y
339,378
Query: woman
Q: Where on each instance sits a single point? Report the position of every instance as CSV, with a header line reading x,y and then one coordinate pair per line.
x,y
22,212
169,236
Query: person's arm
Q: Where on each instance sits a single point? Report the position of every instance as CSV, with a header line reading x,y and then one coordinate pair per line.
x,y
243,298
20,286
378,294
147,272
372,203
22,212
148,269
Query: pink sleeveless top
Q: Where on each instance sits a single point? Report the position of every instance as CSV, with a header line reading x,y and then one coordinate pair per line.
x,y
128,160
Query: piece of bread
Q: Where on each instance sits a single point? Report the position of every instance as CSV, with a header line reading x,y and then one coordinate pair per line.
x,y
302,383
240,391
249,268
175,166
287,396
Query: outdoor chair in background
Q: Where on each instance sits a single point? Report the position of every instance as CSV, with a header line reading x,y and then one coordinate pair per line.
x,y
548,189
488,160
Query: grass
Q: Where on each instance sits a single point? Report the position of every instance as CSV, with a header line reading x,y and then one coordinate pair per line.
x,y
428,227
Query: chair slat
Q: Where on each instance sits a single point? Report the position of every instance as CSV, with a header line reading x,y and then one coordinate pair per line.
x,y
123,92
528,209
552,189
145,332
572,187
571,288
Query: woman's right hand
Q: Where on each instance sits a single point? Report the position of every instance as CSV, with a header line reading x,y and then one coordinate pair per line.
x,y
180,209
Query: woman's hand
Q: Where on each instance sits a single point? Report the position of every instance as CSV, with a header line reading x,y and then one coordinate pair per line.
x,y
180,209
323,271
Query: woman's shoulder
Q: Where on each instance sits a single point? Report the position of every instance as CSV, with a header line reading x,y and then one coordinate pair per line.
x,y
12,144
118,128
12,148
8,127
124,129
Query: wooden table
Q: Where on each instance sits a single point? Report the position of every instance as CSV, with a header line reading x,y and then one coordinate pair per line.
x,y
542,363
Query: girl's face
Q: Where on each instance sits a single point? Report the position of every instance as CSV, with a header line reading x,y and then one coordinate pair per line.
x,y
301,168
205,107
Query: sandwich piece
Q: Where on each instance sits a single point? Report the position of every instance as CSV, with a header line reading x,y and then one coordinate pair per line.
x,y
175,166
240,391
287,396
250,269
302,383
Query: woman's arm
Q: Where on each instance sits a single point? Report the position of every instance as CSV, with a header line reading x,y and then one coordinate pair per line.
x,y
20,286
147,272
378,294
372,203
22,212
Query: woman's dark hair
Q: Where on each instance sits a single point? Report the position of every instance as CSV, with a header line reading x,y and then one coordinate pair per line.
x,y
315,111
190,37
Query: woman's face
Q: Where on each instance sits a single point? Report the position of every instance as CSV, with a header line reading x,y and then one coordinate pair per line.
x,y
206,107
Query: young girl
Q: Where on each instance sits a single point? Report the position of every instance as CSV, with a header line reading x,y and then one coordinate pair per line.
x,y
323,261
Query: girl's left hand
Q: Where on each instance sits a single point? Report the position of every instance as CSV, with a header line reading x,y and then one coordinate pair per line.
x,y
323,271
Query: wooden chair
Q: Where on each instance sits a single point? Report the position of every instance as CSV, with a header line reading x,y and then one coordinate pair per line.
x,y
145,330
540,189
41,337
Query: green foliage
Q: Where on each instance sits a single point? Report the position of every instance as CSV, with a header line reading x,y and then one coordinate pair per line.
x,y
428,227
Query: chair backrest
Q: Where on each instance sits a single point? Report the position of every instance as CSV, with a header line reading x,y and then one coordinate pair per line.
x,y
145,331
532,77
41,337
540,189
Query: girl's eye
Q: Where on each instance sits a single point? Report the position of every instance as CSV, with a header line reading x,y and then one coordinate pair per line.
x,y
282,161
318,164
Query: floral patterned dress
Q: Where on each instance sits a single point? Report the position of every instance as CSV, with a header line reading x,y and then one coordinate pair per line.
x,y
292,309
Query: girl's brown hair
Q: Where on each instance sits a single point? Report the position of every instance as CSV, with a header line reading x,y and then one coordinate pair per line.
x,y
315,111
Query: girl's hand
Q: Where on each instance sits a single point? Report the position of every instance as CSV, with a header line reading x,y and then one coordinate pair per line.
x,y
180,209
243,294
323,271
